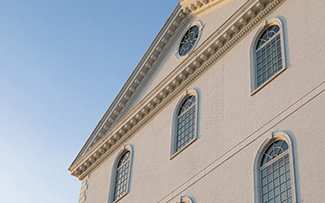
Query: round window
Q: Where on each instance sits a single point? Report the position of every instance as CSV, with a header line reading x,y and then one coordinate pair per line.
x,y
188,40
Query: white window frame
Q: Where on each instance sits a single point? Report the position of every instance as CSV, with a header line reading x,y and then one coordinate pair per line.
x,y
173,146
114,171
253,78
279,135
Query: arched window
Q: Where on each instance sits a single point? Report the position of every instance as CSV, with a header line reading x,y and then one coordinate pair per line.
x,y
274,172
186,122
185,126
121,174
267,53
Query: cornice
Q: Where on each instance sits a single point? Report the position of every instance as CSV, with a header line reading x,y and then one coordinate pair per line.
x,y
139,77
196,7
197,63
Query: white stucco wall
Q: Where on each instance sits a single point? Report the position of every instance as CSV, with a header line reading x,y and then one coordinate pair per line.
x,y
218,166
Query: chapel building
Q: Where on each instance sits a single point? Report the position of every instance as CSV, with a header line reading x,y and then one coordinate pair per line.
x,y
226,106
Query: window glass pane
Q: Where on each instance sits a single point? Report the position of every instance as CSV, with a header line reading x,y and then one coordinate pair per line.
x,y
288,183
276,182
288,175
265,198
277,199
283,196
271,194
281,169
264,181
283,187
264,173
289,192
282,179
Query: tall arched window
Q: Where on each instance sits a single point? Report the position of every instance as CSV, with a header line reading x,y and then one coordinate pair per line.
x,y
185,126
186,122
274,172
121,174
268,55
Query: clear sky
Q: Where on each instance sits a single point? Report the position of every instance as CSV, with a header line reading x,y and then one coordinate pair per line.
x,y
62,62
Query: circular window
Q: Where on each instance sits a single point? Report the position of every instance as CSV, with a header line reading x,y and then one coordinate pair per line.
x,y
188,40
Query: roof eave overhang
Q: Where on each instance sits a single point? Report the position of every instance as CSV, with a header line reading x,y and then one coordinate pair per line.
x,y
219,43
119,106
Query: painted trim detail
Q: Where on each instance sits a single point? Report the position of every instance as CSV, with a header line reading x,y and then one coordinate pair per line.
x,y
142,73
209,52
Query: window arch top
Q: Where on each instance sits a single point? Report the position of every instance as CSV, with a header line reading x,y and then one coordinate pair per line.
x,y
267,35
188,103
125,157
273,151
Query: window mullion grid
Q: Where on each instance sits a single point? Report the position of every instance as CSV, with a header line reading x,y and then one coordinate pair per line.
x,y
193,104
276,180
270,63
121,184
185,127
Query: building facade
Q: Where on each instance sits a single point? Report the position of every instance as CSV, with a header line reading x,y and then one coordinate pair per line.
x,y
227,105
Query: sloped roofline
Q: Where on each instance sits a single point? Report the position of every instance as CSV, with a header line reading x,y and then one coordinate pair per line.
x,y
116,111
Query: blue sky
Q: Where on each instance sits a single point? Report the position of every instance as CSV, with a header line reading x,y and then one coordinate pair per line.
x,y
61,65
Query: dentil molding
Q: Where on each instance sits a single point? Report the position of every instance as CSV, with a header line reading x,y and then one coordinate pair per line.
x,y
188,71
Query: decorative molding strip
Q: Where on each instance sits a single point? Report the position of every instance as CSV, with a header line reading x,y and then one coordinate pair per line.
x,y
195,7
142,73
155,65
209,53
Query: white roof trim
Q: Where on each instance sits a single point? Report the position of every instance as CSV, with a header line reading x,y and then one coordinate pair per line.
x,y
138,78
208,53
